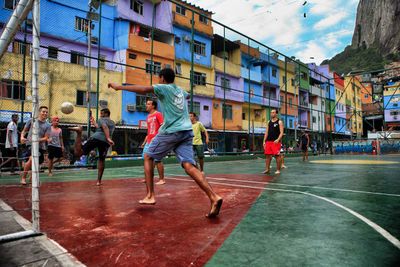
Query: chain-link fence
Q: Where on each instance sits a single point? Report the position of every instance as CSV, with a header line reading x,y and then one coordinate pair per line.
x,y
234,80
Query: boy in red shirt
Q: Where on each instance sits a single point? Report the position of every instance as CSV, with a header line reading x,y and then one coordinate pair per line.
x,y
154,122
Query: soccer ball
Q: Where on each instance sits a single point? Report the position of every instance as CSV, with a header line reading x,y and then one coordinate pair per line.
x,y
67,107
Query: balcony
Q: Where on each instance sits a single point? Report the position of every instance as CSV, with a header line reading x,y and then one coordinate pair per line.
x,y
143,45
230,67
314,90
304,104
254,75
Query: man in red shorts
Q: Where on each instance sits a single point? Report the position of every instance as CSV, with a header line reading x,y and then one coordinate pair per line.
x,y
272,141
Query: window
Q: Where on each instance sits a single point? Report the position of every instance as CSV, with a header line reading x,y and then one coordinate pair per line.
x,y
227,112
81,24
10,4
274,71
323,103
155,69
180,10
132,56
203,19
178,68
293,83
226,84
199,48
243,116
137,6
81,98
77,58
206,108
290,102
167,66
199,78
12,89
366,96
281,100
52,52
102,62
19,47
290,123
196,107
314,119
284,79
141,102
303,75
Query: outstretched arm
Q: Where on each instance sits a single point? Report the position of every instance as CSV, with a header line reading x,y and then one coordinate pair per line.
x,y
140,89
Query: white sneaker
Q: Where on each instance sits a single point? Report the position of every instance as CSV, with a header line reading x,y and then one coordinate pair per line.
x,y
277,172
284,167
266,171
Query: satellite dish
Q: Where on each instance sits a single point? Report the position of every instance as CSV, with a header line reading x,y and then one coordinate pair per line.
x,y
8,74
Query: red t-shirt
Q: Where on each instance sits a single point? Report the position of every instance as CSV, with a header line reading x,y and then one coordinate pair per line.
x,y
154,122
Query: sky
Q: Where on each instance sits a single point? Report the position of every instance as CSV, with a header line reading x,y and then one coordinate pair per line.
x,y
280,24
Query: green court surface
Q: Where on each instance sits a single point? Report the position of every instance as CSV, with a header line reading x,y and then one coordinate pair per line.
x,y
317,213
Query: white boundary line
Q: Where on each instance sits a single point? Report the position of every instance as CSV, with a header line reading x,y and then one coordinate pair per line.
x,y
303,186
373,225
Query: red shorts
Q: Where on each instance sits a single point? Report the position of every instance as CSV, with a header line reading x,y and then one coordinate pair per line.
x,y
272,148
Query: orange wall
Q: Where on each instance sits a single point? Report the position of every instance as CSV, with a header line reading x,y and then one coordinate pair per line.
x,y
366,90
217,120
140,44
292,111
328,127
139,76
185,20
254,52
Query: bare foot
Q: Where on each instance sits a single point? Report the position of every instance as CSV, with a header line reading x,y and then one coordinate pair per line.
x,y
143,181
50,174
277,172
147,201
215,208
99,184
266,171
161,182
23,181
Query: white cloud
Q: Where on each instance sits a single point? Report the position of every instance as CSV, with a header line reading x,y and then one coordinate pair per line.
x,y
279,21
331,20
313,52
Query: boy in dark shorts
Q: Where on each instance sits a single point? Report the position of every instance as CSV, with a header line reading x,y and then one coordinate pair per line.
x,y
175,134
55,146
44,130
101,140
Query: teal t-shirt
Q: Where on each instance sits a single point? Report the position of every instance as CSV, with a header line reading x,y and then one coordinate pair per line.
x,y
174,108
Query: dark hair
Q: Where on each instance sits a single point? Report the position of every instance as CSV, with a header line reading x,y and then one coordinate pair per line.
x,y
14,116
168,74
42,107
276,110
153,102
194,114
107,111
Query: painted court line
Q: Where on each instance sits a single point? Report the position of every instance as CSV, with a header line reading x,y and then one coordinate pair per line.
x,y
295,185
373,225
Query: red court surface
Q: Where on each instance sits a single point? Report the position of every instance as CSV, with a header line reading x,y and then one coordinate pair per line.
x,y
105,226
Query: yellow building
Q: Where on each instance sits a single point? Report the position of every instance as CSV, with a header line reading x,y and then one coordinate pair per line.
x,y
291,76
59,82
202,87
353,101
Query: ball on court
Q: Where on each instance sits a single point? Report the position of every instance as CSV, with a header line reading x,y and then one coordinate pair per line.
x,y
67,107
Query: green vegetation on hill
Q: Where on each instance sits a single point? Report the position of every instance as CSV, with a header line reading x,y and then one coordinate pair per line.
x,y
356,59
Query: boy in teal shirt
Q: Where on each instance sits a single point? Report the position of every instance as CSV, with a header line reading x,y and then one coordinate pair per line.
x,y
175,134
